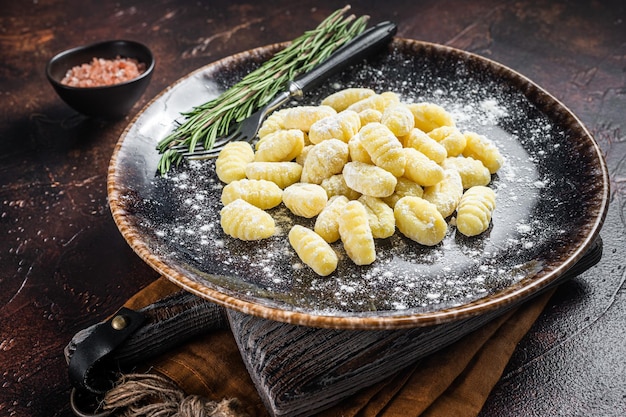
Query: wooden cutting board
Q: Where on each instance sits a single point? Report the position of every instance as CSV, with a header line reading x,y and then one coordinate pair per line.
x,y
299,370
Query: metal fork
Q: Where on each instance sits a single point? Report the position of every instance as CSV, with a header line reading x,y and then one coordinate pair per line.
x,y
246,130
352,52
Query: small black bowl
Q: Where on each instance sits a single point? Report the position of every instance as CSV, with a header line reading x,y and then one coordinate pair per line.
x,y
108,102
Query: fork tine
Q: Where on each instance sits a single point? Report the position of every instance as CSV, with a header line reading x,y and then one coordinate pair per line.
x,y
199,149
203,154
199,152
246,130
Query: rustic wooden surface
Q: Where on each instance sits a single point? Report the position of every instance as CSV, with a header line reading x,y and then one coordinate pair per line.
x,y
64,265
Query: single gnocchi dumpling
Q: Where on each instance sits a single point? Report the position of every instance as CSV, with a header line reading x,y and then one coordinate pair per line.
x,y
273,123
302,117
369,179
421,169
340,126
305,200
380,217
450,138
420,221
280,146
357,152
377,102
231,162
404,187
446,194
313,250
324,160
475,210
282,174
370,116
245,221
342,99
383,147
472,171
336,185
399,119
356,234
429,116
261,193
483,149
419,140
327,222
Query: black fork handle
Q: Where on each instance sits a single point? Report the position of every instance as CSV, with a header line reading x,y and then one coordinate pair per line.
x,y
354,51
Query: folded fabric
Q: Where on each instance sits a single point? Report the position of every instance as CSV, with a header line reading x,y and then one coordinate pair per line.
x,y
207,377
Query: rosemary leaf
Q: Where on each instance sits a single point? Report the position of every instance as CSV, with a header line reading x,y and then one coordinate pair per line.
x,y
204,123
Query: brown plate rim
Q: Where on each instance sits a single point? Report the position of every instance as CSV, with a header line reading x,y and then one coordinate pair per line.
x,y
502,300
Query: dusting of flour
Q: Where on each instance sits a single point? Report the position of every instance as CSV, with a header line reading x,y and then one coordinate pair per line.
x,y
405,276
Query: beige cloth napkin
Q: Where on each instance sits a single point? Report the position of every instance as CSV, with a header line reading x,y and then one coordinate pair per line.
x,y
454,381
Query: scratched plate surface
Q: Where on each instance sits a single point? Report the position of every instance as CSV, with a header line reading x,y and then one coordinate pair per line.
x,y
552,194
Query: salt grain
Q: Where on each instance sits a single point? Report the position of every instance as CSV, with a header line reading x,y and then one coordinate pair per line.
x,y
101,72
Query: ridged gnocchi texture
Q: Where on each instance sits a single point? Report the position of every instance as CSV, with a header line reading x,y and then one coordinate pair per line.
x,y
450,138
471,170
280,146
261,193
475,210
383,147
429,116
357,152
327,222
336,185
404,187
245,221
420,141
356,234
398,119
342,99
484,150
302,117
362,165
421,169
380,217
446,194
305,200
231,162
377,102
370,116
324,160
271,124
282,174
369,179
341,126
420,221
313,250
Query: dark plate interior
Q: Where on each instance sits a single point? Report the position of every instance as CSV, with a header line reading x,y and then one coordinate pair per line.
x,y
552,195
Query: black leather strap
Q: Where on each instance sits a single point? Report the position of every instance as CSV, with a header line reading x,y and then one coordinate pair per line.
x,y
93,351
98,354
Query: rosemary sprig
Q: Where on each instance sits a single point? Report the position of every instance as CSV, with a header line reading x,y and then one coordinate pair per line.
x,y
206,122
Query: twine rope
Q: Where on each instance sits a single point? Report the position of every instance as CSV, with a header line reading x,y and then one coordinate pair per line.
x,y
149,395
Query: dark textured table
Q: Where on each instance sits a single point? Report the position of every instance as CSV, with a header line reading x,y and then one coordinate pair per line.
x,y
64,264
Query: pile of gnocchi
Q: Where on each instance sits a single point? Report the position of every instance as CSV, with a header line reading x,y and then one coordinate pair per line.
x,y
363,165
